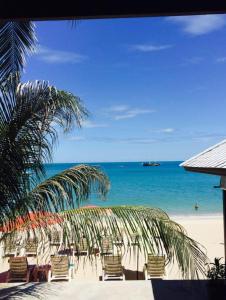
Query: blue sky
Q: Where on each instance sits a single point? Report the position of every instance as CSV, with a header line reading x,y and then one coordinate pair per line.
x,y
155,87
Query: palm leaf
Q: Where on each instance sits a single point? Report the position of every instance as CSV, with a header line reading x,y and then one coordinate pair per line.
x,y
69,188
17,39
27,135
158,234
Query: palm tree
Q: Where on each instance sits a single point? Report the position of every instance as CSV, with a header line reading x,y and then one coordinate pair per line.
x,y
29,113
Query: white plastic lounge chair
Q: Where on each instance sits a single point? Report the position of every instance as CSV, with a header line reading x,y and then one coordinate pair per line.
x,y
113,268
60,269
155,267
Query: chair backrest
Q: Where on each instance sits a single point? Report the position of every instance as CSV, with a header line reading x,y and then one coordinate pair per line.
x,y
134,238
156,265
106,245
31,246
18,267
59,265
83,245
55,238
113,265
9,245
118,239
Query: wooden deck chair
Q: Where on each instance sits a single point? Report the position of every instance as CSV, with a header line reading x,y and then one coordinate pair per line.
x,y
10,247
60,269
113,268
155,267
118,241
82,246
135,239
31,247
106,246
54,239
18,269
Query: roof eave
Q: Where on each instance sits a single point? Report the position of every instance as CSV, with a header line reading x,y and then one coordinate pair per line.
x,y
211,171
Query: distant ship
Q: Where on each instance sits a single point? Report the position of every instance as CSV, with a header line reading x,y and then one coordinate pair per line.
x,y
150,164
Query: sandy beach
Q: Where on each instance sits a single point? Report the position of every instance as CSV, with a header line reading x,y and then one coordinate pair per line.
x,y
207,230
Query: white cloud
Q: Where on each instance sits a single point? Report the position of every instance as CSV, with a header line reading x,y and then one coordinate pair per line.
x,y
118,108
167,130
76,138
221,60
123,111
150,47
91,124
57,56
132,113
198,25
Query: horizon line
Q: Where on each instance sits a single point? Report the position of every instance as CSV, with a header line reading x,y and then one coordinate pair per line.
x,y
93,162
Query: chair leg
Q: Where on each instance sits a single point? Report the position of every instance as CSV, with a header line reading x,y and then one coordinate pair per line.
x,y
103,276
49,276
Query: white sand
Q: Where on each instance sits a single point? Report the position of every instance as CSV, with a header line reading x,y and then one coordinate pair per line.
x,y
207,230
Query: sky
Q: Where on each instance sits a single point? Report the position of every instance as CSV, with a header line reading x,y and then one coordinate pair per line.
x,y
155,87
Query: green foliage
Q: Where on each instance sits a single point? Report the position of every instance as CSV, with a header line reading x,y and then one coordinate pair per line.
x,y
17,39
217,270
158,234
29,115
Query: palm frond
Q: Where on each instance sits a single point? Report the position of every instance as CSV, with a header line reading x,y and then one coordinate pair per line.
x,y
17,39
27,134
158,234
69,188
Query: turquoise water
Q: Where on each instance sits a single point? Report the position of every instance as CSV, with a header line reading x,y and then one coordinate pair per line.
x,y
168,186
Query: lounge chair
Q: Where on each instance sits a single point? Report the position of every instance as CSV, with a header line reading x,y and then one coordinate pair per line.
x,y
155,267
82,247
113,268
10,247
118,241
134,239
31,247
106,246
55,239
60,269
18,269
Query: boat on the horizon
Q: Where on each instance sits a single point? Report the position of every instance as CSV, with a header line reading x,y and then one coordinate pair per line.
x,y
150,164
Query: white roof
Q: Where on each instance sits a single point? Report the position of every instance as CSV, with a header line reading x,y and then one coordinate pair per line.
x,y
213,157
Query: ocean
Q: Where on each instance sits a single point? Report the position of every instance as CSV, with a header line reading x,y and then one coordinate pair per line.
x,y
167,186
